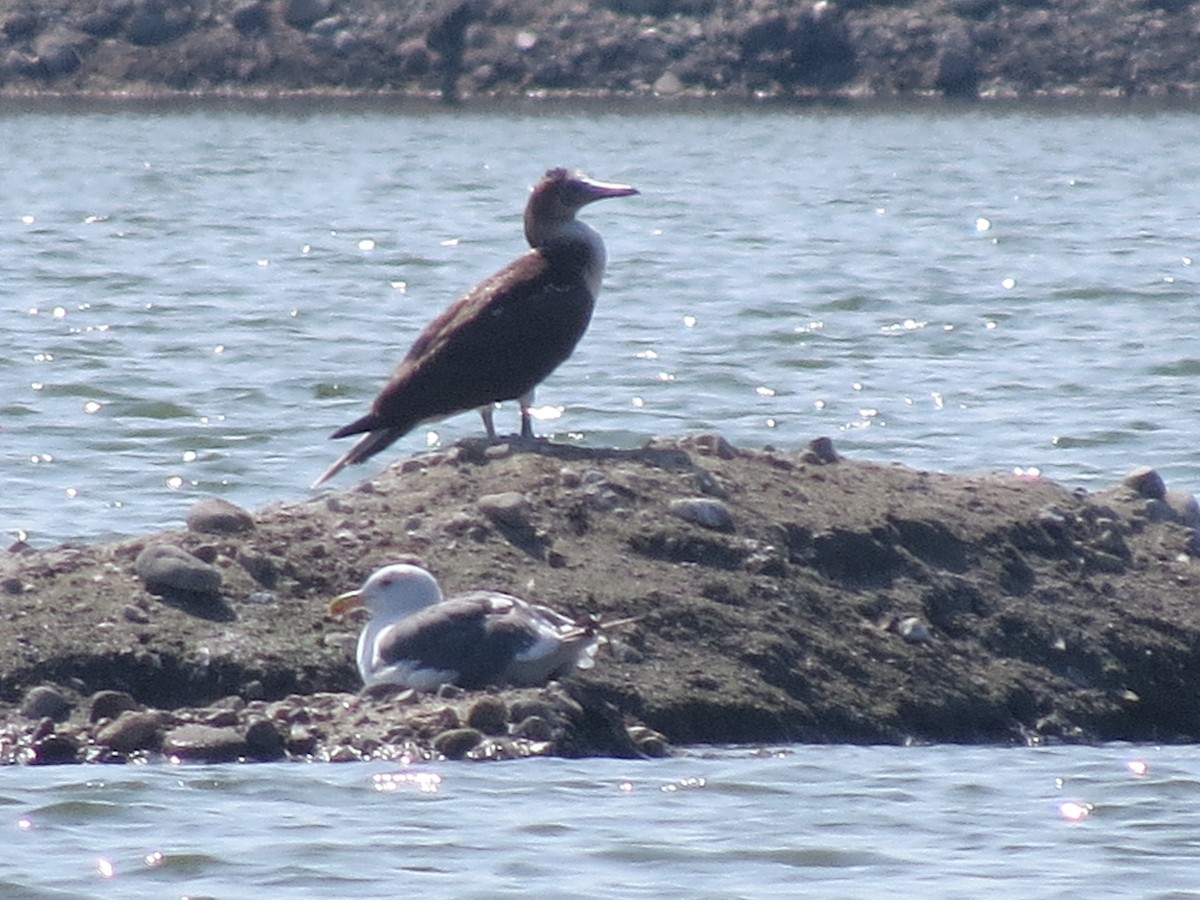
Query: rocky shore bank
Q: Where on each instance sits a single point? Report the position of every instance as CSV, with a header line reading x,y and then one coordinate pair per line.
x,y
780,597
610,48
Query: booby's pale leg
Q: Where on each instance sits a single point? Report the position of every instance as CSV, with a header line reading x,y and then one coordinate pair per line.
x,y
526,401
485,413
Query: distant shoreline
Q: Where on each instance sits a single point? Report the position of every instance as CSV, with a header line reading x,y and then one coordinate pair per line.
x,y
485,52
314,101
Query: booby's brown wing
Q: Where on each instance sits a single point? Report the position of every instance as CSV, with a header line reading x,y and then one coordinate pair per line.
x,y
495,343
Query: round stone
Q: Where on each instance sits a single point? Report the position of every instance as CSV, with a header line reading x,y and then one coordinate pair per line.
x,y
456,743
165,568
109,705
706,512
45,701
204,743
212,515
132,730
489,715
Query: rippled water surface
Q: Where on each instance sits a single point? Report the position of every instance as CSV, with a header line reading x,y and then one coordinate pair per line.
x,y
830,822
193,299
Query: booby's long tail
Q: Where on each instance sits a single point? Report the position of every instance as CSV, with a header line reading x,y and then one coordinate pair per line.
x,y
371,444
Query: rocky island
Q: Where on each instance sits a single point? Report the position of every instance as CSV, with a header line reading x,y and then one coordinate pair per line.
x,y
778,596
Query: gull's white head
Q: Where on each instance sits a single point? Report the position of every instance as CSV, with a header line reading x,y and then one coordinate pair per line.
x,y
391,593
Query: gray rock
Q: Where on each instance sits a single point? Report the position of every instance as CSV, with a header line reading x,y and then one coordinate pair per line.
x,y
105,20
60,50
204,743
714,445
109,705
706,512
264,740
132,730
509,508
457,742
212,515
1184,506
821,452
488,714
20,24
1159,511
958,66
135,614
524,708
251,18
157,22
534,728
55,750
167,568
45,701
648,741
303,13
1146,482
301,741
912,629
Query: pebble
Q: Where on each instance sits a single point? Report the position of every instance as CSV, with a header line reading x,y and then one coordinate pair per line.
x,y
706,512
456,743
132,730
1184,506
913,630
820,452
525,708
1146,482
44,701
498,451
714,445
204,743
301,741
488,714
42,729
135,614
345,753
648,741
109,705
668,83
534,728
212,515
509,508
55,749
264,740
167,568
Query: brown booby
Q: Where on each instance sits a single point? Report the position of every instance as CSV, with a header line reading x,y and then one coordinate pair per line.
x,y
504,336
417,639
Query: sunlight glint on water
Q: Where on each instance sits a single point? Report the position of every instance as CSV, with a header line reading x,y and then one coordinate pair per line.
x,y
938,822
196,299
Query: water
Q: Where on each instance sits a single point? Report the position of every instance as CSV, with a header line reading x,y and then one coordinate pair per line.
x,y
831,822
195,298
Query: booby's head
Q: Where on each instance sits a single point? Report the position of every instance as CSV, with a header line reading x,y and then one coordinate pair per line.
x,y
558,196
391,593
